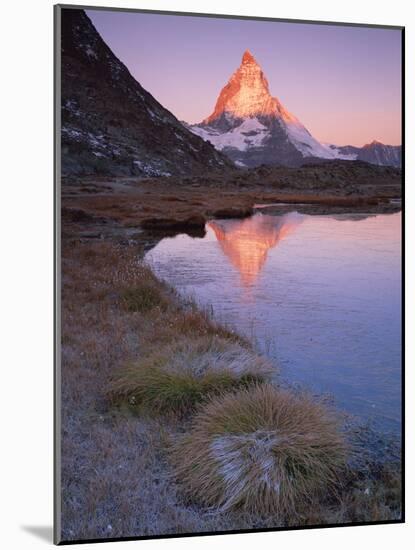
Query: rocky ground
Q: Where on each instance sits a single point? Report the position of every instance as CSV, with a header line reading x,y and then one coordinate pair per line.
x,y
126,207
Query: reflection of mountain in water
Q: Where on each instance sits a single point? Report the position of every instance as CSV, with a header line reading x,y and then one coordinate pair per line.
x,y
246,242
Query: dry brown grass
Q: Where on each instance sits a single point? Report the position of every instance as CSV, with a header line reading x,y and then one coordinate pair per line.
x,y
117,479
181,202
263,450
374,496
176,377
143,298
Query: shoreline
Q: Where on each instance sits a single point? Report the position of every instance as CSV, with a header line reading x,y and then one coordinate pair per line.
x,y
381,442
100,335
145,210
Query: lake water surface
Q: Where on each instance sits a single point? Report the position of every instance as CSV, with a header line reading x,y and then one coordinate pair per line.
x,y
321,294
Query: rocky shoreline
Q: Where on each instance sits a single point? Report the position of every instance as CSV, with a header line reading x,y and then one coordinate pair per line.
x,y
108,207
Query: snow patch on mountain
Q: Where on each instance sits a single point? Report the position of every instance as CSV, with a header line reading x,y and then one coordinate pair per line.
x,y
310,147
250,133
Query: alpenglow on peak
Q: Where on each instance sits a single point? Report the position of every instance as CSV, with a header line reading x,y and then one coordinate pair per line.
x,y
247,94
248,57
252,127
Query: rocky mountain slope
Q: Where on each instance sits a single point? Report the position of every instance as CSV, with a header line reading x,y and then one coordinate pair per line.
x,y
110,123
377,153
252,127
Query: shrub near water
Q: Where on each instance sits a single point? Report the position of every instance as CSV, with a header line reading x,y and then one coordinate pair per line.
x,y
261,449
182,374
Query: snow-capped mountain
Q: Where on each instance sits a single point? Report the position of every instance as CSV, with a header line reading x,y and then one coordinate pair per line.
x,y
252,127
111,124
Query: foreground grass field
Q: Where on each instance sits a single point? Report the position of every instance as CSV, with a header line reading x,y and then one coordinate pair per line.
x,y
137,362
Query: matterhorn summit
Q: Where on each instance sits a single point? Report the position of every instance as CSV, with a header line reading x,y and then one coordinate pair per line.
x,y
252,127
246,95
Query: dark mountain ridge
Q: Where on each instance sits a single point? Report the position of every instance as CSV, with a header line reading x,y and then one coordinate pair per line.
x,y
111,124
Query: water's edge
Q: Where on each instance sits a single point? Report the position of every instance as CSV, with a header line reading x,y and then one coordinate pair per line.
x,y
235,247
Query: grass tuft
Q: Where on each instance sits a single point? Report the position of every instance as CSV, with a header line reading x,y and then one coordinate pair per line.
x,y
180,375
143,298
262,450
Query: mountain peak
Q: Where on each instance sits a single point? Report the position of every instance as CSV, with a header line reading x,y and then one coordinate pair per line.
x,y
373,143
253,127
246,94
248,58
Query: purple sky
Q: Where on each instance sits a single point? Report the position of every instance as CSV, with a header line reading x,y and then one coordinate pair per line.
x,y
343,83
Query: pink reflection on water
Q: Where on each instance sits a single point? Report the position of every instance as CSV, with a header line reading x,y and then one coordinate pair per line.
x,y
246,243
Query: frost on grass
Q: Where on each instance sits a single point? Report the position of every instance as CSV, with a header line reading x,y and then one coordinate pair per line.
x,y
115,467
238,455
263,450
178,376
